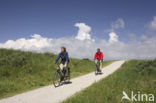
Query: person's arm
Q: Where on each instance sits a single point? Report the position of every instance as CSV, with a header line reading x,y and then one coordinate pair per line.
x,y
58,57
67,58
101,57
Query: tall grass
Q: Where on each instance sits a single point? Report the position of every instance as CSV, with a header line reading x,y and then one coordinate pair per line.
x,y
134,75
21,71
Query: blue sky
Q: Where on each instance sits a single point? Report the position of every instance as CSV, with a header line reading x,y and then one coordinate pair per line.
x,y
56,18
123,29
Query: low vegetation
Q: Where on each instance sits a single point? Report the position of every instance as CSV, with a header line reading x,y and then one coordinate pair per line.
x,y
21,71
138,76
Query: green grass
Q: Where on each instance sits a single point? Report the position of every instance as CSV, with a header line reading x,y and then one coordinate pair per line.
x,y
22,71
134,75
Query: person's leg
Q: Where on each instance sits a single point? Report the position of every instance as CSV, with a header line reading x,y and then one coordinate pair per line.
x,y
101,65
96,61
61,68
66,68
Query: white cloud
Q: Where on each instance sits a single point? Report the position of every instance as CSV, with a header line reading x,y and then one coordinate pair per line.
x,y
119,23
83,32
113,37
153,23
113,48
36,42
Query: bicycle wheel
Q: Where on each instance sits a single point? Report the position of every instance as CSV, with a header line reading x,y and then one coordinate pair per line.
x,y
57,78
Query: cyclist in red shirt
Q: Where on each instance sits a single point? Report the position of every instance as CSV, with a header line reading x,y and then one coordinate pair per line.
x,y
98,57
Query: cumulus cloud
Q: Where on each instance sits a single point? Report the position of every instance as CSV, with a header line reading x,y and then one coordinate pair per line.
x,y
119,23
36,42
85,48
113,37
153,23
83,32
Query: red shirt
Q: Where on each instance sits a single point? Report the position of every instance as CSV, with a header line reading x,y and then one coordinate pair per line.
x,y
98,56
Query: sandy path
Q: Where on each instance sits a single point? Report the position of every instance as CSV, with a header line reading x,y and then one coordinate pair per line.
x,y
50,94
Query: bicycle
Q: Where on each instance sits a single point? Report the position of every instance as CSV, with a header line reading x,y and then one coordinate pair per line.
x,y
97,68
60,77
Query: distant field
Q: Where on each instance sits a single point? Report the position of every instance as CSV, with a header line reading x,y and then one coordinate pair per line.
x,y
134,75
22,71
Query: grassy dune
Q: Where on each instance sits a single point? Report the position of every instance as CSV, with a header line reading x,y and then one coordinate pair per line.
x,y
134,75
21,71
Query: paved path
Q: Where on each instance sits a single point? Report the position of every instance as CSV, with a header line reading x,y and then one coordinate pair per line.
x,y
50,94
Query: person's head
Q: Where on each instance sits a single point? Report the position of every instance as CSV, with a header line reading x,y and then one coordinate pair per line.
x,y
98,49
63,49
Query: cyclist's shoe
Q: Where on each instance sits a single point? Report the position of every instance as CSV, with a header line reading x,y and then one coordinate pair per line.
x,y
100,72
